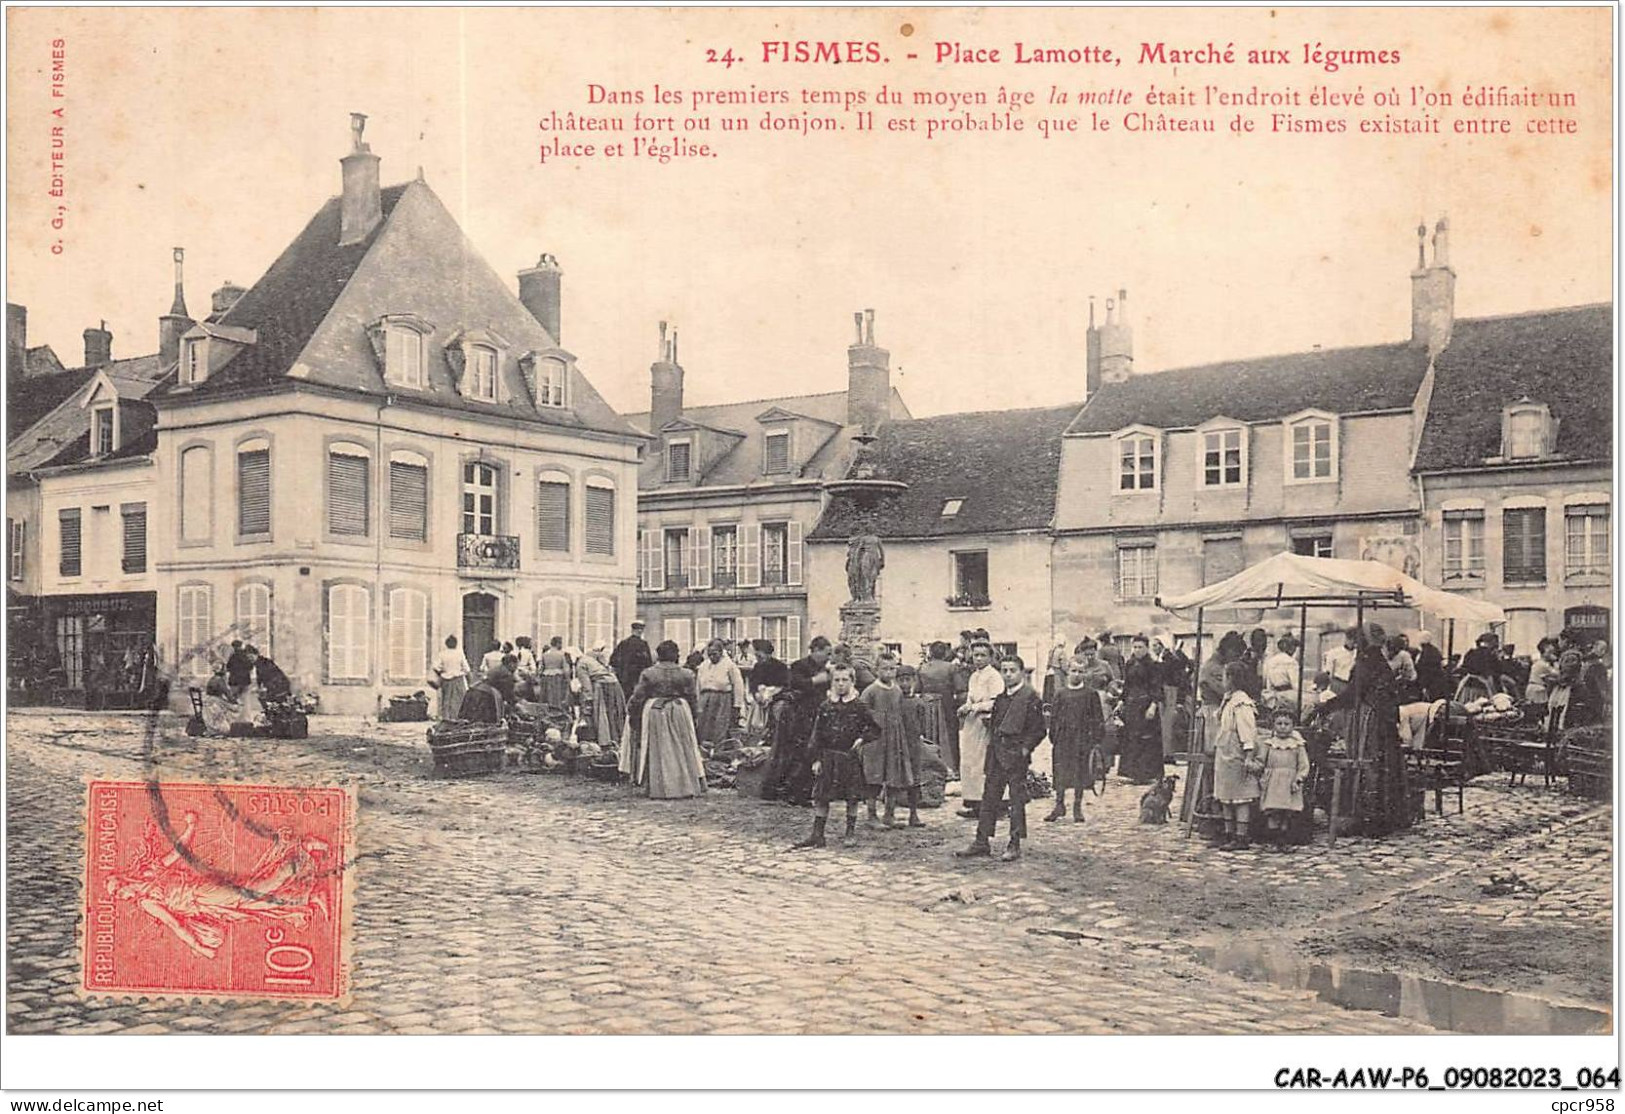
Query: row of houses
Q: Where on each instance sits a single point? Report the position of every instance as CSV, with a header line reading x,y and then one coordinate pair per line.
x,y
380,443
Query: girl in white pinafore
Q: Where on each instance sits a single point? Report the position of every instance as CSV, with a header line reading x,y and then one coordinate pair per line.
x,y
985,686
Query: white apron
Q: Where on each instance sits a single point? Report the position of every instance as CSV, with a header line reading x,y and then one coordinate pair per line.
x,y
973,735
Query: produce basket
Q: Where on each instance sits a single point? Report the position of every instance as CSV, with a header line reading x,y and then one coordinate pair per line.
x,y
467,749
1587,753
406,709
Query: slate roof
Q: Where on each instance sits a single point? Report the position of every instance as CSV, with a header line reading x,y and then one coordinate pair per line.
x,y
50,436
1263,389
292,299
1563,358
1004,465
30,398
826,433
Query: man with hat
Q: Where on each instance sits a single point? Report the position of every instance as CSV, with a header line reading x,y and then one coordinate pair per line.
x,y
631,658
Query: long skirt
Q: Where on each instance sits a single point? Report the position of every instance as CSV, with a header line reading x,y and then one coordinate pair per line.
x,y
938,726
1141,758
1171,743
789,770
554,689
756,723
716,716
670,756
1383,804
608,709
973,736
452,691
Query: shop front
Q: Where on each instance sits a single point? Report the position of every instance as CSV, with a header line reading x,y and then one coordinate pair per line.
x,y
97,650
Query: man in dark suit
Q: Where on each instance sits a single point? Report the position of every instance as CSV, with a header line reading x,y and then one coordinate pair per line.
x,y
631,658
1016,728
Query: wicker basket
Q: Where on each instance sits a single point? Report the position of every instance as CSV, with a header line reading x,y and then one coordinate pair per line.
x,y
467,749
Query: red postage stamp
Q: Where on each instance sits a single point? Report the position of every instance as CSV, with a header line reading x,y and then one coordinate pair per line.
x,y
227,890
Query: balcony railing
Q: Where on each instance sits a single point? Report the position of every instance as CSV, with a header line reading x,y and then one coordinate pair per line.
x,y
773,578
488,552
676,579
724,580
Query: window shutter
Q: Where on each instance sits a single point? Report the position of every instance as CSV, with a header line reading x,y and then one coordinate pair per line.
x,y
791,650
135,537
254,492
553,618
643,561
553,516
750,555
347,495
408,501
654,558
19,533
793,557
1524,545
70,563
347,632
681,631
702,632
750,628
700,571
600,507
254,616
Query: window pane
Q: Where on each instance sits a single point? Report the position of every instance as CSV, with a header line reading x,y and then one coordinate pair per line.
x,y
1524,544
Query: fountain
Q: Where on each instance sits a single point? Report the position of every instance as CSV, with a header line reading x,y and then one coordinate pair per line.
x,y
869,490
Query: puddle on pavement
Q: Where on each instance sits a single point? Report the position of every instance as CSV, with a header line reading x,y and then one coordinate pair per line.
x,y
1440,1005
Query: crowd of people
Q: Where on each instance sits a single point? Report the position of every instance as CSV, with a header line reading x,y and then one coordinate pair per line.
x,y
840,729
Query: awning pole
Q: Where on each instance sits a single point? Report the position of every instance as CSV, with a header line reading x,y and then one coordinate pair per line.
x,y
1303,653
1193,771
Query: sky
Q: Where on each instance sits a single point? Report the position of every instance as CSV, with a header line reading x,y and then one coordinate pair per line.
x,y
221,130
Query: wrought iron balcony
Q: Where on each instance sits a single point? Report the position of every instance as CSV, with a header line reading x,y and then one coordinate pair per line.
x,y
488,552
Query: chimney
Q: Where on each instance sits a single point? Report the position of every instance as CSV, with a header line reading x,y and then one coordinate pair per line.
x,y
1109,347
1433,291
225,297
16,341
868,377
665,384
360,209
174,324
98,346
539,291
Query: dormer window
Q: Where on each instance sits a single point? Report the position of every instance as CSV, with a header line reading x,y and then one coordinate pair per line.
x,y
103,430
1137,460
776,452
403,356
951,507
677,460
1311,448
1527,431
550,379
482,372
1224,460
195,361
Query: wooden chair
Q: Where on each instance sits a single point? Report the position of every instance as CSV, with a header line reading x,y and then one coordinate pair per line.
x,y
1442,763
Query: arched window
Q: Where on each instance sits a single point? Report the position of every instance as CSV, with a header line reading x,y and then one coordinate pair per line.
x,y
349,479
197,494
598,622
254,615
408,635
482,372
349,630
552,618
403,355
553,512
600,516
194,629
408,496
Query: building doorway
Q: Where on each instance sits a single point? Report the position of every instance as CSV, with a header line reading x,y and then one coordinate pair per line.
x,y
479,625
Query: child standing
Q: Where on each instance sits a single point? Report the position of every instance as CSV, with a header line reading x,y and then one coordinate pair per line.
x,y
1286,766
840,726
1076,727
891,764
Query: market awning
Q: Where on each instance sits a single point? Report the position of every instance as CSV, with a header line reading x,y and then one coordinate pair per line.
x,y
1291,580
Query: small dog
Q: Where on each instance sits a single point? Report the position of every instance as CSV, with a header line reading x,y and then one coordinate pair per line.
x,y
1154,805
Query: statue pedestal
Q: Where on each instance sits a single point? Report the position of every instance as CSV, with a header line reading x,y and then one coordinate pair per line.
x,y
860,629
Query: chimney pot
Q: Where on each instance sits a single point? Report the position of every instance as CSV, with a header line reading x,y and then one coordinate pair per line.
x,y
1110,348
98,346
539,290
665,383
361,206
174,324
1433,293
225,297
868,377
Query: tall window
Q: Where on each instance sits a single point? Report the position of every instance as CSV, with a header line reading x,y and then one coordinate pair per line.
x,y
680,631
1311,451
69,526
1136,463
784,631
348,487
675,558
600,515
197,493
553,513
102,430
1523,545
598,622
195,361
16,533
1136,572
479,498
553,618
70,648
677,459
970,578
725,556
134,516
408,634
408,497
403,356
254,615
1315,545
1526,433
482,375
776,452
550,382
349,649
1221,458
194,615
1585,548
726,629
775,553
254,490
1463,544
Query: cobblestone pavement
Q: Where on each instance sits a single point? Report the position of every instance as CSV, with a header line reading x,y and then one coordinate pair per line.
x,y
535,904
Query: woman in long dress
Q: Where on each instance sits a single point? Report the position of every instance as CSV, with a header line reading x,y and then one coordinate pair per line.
x,y
603,702
661,715
1383,804
1076,727
1141,761
937,678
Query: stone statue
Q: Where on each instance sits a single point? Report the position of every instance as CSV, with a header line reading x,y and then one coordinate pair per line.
x,y
865,558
